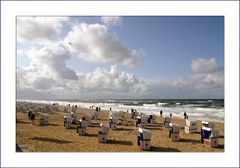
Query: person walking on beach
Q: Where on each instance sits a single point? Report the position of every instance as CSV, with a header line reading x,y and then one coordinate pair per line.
x,y
161,112
185,115
170,114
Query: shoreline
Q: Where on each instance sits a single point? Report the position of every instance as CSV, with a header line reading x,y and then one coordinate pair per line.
x,y
195,110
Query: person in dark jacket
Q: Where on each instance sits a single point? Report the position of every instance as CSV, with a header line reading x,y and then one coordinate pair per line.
x,y
161,112
185,115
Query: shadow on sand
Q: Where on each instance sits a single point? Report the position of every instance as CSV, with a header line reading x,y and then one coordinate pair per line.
x,y
120,142
161,149
22,122
50,140
94,125
153,128
91,135
220,147
53,124
123,129
190,140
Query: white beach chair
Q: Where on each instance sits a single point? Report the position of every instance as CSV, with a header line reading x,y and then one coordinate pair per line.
x,y
43,119
144,138
191,126
67,122
74,117
113,122
102,135
174,130
167,121
209,136
81,129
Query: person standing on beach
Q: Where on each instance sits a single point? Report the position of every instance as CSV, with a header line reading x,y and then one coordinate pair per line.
x,y
132,113
185,115
170,114
161,112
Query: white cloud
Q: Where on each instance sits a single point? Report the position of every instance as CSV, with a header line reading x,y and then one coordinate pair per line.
x,y
201,82
99,83
207,74
51,61
208,80
39,28
94,43
207,83
112,80
202,65
112,20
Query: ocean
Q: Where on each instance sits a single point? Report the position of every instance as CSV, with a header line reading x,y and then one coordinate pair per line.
x,y
196,109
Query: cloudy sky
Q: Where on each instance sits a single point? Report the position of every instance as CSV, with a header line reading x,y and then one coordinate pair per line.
x,y
120,57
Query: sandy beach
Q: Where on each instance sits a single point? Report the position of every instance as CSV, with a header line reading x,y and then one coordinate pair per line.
x,y
55,138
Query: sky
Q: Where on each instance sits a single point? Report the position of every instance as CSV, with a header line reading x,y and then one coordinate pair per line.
x,y
114,57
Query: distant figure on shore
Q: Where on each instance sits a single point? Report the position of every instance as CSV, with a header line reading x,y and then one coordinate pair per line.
x,y
170,114
110,109
185,115
132,113
149,119
161,112
99,108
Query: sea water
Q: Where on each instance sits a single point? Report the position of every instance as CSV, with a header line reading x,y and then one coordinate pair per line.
x,y
196,109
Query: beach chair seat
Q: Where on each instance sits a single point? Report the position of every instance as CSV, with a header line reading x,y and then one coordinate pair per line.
x,y
43,119
81,131
81,128
74,117
144,138
113,122
167,121
89,117
174,130
191,127
96,115
212,142
209,136
144,119
153,119
67,122
102,135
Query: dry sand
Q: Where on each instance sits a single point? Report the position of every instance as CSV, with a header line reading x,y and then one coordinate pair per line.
x,y
55,138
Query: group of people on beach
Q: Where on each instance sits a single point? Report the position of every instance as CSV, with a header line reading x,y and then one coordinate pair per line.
x,y
185,116
97,109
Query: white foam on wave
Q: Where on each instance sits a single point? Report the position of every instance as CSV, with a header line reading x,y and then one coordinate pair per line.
x,y
161,104
149,105
196,113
